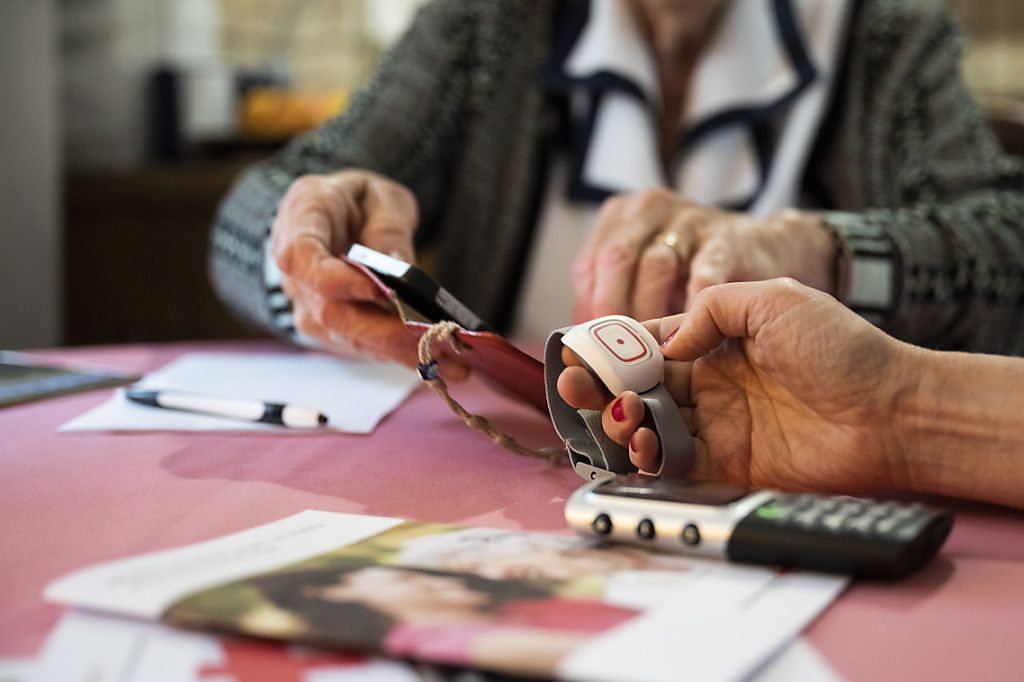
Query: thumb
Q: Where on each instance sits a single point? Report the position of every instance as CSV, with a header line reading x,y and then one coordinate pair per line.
x,y
391,219
737,310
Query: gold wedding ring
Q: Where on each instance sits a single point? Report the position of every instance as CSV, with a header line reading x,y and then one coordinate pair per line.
x,y
677,243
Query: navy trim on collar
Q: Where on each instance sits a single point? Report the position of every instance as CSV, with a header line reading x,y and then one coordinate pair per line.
x,y
570,22
759,120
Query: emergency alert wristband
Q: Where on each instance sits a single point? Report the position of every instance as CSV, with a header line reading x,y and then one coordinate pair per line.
x,y
624,356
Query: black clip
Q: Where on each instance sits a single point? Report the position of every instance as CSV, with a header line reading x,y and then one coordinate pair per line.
x,y
428,372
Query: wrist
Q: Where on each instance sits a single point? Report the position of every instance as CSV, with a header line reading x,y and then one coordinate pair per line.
x,y
915,411
958,427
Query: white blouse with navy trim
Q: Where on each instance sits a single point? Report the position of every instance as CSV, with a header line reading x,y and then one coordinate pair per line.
x,y
757,100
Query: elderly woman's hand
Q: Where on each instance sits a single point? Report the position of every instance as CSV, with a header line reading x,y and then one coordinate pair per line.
x,y
651,252
318,219
780,384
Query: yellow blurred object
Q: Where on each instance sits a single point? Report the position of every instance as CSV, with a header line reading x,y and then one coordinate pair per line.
x,y
279,113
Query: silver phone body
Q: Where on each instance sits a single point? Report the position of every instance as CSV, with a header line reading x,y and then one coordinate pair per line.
x,y
670,506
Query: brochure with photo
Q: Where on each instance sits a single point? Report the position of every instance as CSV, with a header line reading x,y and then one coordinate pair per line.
x,y
89,647
513,602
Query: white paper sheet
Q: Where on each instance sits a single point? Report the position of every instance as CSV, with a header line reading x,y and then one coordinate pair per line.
x,y
86,647
355,395
799,662
17,669
724,628
144,586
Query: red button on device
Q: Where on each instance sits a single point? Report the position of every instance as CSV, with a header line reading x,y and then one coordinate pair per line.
x,y
623,343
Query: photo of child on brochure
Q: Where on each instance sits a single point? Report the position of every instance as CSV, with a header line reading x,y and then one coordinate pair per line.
x,y
500,600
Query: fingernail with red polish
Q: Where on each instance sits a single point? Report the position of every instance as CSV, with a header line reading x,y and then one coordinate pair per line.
x,y
618,412
669,337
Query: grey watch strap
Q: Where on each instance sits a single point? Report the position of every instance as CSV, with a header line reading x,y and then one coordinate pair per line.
x,y
592,453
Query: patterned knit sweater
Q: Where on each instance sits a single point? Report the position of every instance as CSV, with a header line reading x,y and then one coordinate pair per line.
x,y
457,113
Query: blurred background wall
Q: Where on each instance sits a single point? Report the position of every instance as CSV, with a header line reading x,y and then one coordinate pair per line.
x,y
166,101
123,122
30,161
995,56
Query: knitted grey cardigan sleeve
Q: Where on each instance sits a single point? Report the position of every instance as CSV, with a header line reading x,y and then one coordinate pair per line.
x,y
427,101
911,161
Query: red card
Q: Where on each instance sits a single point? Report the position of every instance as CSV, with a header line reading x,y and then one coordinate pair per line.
x,y
491,355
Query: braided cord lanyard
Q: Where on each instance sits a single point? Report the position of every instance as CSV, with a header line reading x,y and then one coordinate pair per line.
x,y
428,370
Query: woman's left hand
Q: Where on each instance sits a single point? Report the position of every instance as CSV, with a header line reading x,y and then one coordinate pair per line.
x,y
781,386
652,251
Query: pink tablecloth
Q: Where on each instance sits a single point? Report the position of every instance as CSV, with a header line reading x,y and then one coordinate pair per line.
x,y
70,500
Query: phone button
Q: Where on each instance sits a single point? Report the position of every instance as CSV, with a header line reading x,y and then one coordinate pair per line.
x,y
690,534
602,524
645,529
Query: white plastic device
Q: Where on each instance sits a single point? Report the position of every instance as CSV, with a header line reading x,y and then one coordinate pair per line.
x,y
625,357
620,350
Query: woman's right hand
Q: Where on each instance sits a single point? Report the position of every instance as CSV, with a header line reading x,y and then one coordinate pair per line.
x,y
319,217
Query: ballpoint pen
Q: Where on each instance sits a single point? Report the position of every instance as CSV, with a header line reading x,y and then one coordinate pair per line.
x,y
282,414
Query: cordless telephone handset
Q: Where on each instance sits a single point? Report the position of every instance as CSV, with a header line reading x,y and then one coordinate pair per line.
x,y
815,532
